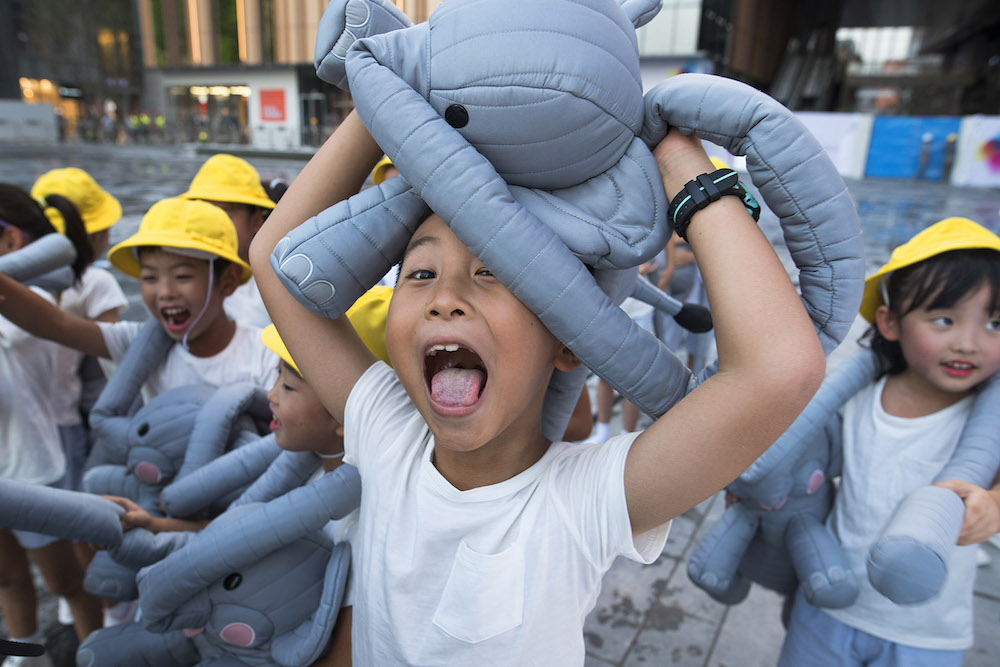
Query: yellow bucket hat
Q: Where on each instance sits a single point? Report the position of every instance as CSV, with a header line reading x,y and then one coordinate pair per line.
x,y
98,209
367,315
944,236
188,227
228,178
378,173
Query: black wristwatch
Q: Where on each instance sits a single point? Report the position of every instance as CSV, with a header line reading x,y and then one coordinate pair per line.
x,y
704,190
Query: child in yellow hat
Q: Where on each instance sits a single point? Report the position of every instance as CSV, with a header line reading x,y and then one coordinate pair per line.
x,y
233,184
185,256
935,314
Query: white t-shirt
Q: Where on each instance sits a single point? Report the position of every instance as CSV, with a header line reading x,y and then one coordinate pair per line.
x,y
245,305
95,294
885,459
30,449
245,359
498,575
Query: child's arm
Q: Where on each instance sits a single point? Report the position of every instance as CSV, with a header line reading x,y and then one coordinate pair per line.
x,y
45,320
136,517
770,358
982,510
329,352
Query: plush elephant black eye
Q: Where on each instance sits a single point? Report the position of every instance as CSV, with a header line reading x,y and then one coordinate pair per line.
x,y
456,115
232,581
143,429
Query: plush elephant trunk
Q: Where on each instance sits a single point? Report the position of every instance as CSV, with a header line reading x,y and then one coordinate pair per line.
x,y
45,262
109,418
68,515
847,379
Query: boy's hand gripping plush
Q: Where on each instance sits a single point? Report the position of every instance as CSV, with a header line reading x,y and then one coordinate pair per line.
x,y
522,124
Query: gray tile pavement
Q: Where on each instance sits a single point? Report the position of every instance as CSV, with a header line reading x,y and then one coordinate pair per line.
x,y
649,615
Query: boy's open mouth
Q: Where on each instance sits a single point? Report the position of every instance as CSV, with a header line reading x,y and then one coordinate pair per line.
x,y
455,375
175,318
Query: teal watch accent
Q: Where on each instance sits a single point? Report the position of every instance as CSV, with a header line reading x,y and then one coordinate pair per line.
x,y
702,191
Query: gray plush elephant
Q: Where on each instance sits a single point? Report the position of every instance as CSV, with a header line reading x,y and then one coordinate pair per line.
x,y
139,450
261,585
522,123
775,535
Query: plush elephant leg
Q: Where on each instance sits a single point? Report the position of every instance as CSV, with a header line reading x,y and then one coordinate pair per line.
x,y
196,491
714,565
107,579
130,645
112,480
343,23
820,564
909,563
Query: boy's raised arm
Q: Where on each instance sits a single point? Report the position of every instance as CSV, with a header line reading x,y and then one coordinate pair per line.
x,y
329,352
45,320
770,359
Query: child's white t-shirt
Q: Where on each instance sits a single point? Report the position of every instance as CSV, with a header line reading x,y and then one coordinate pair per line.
x,y
886,458
498,575
30,449
245,359
245,305
95,294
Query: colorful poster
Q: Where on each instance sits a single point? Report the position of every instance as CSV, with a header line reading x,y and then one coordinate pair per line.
x,y
272,105
977,161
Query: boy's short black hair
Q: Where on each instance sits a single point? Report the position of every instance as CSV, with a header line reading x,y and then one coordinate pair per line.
x,y
940,281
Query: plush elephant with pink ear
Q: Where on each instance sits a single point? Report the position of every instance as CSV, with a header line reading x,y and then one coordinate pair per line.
x,y
261,585
522,123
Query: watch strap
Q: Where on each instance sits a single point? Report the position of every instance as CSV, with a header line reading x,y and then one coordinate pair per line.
x,y
702,191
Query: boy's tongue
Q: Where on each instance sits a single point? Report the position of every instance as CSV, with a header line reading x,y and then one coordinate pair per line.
x,y
457,387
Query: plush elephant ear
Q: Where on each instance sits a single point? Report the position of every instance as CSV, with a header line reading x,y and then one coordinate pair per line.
x,y
67,515
306,643
231,544
44,263
795,177
216,421
111,415
193,493
850,377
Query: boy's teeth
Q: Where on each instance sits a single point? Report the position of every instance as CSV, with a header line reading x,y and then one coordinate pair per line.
x,y
450,347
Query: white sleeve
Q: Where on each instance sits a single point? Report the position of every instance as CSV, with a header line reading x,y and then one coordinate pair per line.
x,y
10,333
100,293
375,411
118,336
589,487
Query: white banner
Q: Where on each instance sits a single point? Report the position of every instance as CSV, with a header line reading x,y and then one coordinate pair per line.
x,y
844,136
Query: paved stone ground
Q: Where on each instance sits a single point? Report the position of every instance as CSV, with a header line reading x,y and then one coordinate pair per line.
x,y
650,615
